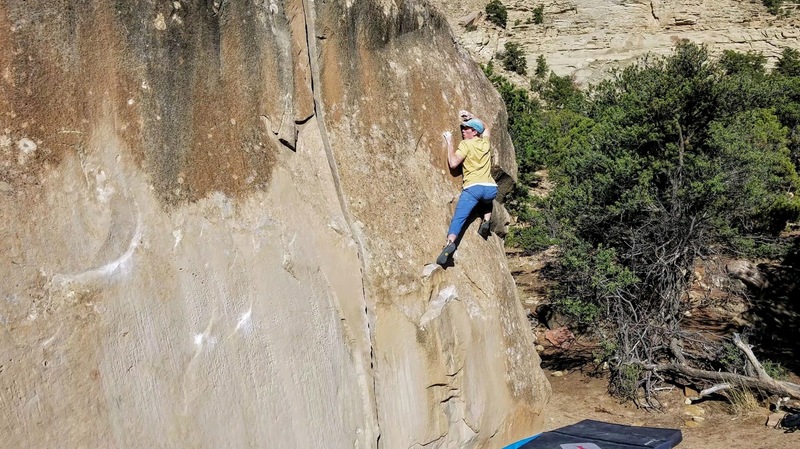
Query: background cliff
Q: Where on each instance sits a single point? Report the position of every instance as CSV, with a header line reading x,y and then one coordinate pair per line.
x,y
586,39
214,218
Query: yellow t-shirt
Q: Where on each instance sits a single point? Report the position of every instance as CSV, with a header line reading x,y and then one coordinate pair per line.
x,y
477,165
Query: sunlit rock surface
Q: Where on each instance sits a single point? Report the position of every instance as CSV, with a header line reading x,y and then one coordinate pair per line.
x,y
215,220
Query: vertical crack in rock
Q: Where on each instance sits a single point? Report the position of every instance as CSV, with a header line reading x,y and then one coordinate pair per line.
x,y
653,9
370,404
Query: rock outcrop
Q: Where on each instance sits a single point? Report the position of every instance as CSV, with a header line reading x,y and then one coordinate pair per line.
x,y
586,39
214,218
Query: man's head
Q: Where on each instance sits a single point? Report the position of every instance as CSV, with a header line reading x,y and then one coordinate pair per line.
x,y
473,125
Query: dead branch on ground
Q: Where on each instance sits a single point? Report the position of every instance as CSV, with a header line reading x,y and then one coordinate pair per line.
x,y
761,381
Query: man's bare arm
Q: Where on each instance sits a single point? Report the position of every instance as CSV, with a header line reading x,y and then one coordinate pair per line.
x,y
453,158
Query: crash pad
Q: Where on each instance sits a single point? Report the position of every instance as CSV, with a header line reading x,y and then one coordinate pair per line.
x,y
590,434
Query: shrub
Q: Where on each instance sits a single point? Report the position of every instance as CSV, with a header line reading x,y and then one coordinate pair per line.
x,y
775,370
773,6
533,237
538,14
626,381
605,352
496,13
730,358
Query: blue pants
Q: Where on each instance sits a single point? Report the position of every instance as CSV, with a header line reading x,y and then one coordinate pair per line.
x,y
470,197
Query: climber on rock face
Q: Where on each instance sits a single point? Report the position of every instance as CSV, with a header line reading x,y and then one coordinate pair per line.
x,y
474,155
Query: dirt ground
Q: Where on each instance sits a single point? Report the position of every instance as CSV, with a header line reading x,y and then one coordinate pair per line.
x,y
580,392
577,397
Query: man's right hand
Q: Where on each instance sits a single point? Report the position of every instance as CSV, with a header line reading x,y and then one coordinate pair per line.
x,y
447,136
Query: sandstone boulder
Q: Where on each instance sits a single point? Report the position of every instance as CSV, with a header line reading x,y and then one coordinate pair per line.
x,y
214,218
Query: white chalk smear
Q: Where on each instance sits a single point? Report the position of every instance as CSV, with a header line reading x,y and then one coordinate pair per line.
x,y
178,237
445,295
244,320
107,270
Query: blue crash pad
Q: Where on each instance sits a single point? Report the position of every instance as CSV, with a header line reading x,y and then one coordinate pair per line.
x,y
520,443
589,434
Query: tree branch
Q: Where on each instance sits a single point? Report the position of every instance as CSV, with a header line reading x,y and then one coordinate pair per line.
x,y
767,385
711,390
760,372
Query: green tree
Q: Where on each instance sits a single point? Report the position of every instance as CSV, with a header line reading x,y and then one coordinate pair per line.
x,y
513,58
561,92
756,172
787,108
661,163
496,13
788,63
541,67
734,62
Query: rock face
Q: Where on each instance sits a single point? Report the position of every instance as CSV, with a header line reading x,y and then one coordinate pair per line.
x,y
748,273
214,218
587,38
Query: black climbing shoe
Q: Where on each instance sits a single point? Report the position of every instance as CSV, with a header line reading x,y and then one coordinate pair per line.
x,y
484,230
446,253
